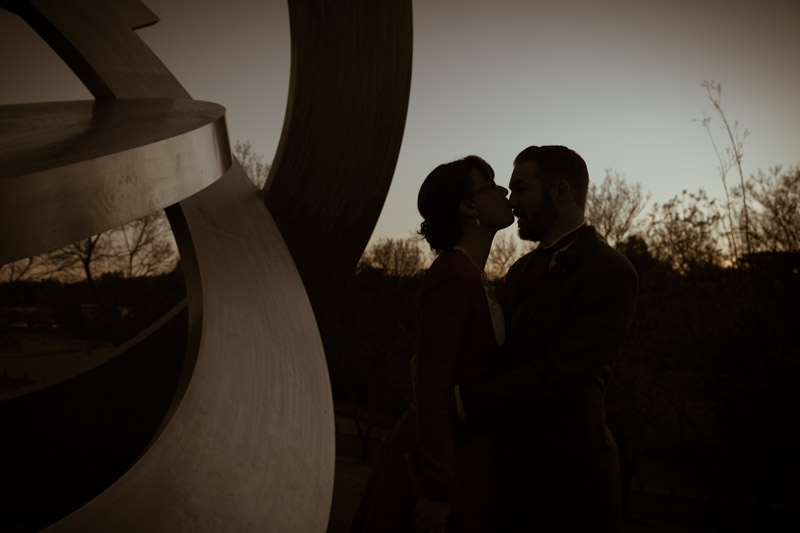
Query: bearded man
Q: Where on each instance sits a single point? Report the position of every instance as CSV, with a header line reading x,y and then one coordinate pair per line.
x,y
568,306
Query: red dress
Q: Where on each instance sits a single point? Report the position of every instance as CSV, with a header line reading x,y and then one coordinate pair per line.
x,y
455,343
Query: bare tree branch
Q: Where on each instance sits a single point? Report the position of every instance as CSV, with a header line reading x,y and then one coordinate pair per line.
x,y
146,246
777,218
682,231
252,162
734,153
396,257
19,270
505,250
614,206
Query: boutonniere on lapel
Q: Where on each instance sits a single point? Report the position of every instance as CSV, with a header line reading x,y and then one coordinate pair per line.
x,y
565,260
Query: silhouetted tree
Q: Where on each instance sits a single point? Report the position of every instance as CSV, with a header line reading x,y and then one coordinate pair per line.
x,y
252,163
395,257
738,219
82,256
776,215
614,206
505,250
683,231
368,344
24,269
144,247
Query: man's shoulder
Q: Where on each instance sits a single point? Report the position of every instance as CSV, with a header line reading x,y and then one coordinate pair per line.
x,y
519,263
602,263
601,250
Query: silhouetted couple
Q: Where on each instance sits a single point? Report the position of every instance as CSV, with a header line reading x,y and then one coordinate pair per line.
x,y
507,430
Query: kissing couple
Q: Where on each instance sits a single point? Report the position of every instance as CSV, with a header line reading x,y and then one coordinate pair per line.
x,y
507,428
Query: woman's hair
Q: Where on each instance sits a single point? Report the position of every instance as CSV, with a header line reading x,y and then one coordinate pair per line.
x,y
439,198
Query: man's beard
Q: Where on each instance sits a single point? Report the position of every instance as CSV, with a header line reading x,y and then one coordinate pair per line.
x,y
535,227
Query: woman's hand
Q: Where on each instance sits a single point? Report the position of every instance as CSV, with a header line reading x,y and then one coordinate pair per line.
x,y
430,515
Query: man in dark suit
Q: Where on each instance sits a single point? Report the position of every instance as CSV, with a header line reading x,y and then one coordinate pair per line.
x,y
568,307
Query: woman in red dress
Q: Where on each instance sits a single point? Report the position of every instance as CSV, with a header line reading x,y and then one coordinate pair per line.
x,y
434,472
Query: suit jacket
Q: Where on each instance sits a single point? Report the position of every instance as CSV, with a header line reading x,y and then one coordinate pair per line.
x,y
547,401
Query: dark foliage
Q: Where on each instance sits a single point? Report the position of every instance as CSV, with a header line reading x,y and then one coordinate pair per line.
x,y
704,384
114,308
703,397
368,337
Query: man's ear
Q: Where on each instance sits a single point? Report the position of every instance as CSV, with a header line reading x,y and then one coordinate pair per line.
x,y
560,192
467,208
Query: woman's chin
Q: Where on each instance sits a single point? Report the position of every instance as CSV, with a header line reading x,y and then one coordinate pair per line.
x,y
506,223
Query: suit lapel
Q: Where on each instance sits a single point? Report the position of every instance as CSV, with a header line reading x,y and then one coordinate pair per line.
x,y
528,306
512,294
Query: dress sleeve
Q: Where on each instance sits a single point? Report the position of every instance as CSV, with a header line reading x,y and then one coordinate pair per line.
x,y
443,312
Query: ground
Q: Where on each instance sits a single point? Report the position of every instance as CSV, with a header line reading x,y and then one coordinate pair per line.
x,y
27,357
654,511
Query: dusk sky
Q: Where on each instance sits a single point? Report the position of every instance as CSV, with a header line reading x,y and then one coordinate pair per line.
x,y
619,81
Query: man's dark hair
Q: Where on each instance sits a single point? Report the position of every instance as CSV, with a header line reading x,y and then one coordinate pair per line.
x,y
439,198
559,162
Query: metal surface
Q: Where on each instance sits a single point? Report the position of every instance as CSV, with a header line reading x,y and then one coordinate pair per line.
x,y
87,167
350,83
249,445
72,437
245,439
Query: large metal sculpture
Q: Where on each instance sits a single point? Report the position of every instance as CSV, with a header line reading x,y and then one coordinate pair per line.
x,y
236,432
